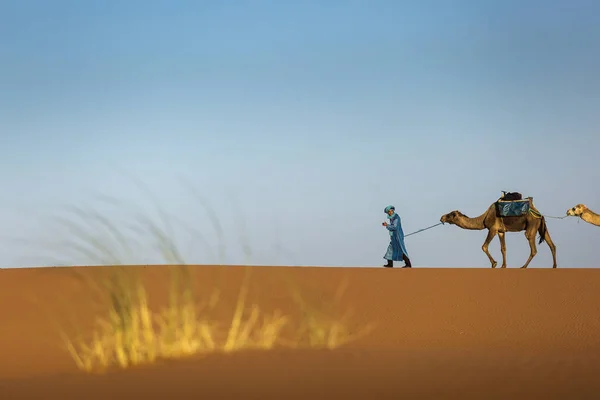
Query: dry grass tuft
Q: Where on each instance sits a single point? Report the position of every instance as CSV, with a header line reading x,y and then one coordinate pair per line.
x,y
132,333
323,324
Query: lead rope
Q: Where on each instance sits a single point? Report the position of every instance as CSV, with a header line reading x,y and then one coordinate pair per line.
x,y
424,229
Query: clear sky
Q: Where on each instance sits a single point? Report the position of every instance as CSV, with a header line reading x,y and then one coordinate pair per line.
x,y
300,121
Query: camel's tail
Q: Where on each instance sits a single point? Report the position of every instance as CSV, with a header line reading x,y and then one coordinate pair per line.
x,y
542,230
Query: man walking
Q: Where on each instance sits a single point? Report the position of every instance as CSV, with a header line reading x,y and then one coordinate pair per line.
x,y
396,251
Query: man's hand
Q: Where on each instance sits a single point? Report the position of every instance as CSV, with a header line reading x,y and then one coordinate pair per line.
x,y
384,224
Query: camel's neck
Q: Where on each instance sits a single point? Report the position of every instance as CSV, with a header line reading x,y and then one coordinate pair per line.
x,y
591,217
476,223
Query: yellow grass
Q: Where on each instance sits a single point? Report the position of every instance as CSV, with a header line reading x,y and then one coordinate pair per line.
x,y
134,334
324,324
131,333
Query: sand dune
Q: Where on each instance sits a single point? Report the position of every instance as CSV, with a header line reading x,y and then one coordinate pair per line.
x,y
439,333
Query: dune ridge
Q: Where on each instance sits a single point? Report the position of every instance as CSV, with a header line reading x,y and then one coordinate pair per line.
x,y
439,332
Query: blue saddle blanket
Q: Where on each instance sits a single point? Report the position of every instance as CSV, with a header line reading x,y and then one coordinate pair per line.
x,y
514,208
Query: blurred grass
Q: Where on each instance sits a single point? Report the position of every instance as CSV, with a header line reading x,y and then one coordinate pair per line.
x,y
324,323
132,333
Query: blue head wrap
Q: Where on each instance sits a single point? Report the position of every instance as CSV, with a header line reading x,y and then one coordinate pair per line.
x,y
388,208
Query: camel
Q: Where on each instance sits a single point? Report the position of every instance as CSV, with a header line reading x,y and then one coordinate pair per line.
x,y
581,211
533,222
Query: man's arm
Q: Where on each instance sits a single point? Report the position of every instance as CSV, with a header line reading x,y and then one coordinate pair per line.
x,y
394,225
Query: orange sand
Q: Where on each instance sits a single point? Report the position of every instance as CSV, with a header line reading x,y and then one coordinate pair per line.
x,y
440,333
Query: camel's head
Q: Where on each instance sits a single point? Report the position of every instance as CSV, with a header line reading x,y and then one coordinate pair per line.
x,y
451,217
576,211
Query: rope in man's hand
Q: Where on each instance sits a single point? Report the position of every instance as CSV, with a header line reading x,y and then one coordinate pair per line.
x,y
424,229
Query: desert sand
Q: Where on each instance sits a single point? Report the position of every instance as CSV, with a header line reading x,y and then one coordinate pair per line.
x,y
438,333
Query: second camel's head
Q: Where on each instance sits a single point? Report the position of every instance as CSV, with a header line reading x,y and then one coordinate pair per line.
x,y
577,210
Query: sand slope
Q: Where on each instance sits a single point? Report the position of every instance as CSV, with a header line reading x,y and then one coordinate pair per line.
x,y
471,333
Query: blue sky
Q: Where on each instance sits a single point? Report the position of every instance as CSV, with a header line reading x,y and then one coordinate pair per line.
x,y
299,122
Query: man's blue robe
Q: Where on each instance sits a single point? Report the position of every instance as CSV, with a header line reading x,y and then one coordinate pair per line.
x,y
397,247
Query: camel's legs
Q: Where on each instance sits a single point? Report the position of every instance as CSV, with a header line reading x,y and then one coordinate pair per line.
x,y
502,248
486,245
552,247
531,239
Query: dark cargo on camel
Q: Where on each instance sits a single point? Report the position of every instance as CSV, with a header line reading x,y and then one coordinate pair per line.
x,y
511,204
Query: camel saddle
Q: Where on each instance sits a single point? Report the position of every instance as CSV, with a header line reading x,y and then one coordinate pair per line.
x,y
511,204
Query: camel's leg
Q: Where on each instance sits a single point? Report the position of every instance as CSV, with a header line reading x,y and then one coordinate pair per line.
x,y
552,247
531,239
486,245
502,248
